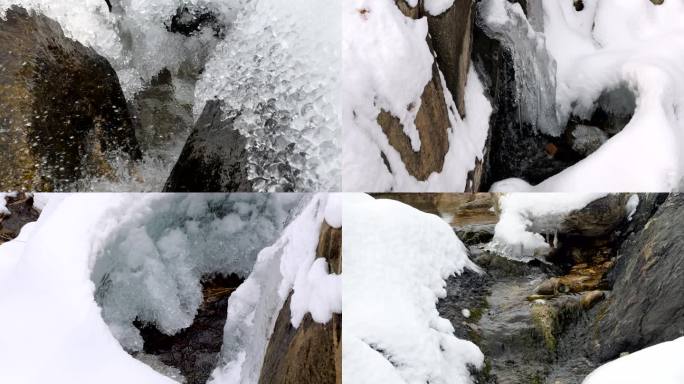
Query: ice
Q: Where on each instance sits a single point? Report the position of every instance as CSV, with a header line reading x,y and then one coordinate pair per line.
x,y
526,217
278,74
661,363
151,265
396,260
386,66
288,266
632,205
534,67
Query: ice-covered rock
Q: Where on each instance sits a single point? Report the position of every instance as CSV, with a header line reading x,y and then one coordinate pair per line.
x,y
278,70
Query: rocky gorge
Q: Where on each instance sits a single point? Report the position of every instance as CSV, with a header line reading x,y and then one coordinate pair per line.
x,y
610,286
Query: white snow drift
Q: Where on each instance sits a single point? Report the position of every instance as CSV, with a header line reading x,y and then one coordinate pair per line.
x,y
661,363
396,260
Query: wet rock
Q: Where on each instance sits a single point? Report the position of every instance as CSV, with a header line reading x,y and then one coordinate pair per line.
x,y
514,148
451,35
646,304
545,318
311,353
64,115
591,298
585,139
22,212
191,20
599,218
160,116
214,158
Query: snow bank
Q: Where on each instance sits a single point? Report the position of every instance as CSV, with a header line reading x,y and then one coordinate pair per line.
x,y
525,217
661,363
288,266
621,47
396,260
386,66
278,73
49,315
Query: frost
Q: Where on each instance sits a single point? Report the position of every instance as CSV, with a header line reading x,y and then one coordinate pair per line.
x,y
278,74
396,260
534,67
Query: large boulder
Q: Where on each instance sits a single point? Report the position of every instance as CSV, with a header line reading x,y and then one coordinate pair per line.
x,y
645,307
311,353
214,158
63,115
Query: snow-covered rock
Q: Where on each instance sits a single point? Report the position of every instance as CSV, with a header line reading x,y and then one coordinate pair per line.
x,y
395,261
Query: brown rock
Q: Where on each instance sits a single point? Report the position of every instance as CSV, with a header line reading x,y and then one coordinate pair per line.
x,y
589,299
432,123
63,111
311,353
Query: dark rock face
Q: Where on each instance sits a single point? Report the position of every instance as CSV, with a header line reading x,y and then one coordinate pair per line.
x,y
451,34
647,304
22,212
64,113
195,350
598,218
214,158
514,148
189,21
311,353
160,117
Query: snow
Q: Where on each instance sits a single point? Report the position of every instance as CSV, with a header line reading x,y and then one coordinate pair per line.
x,y
278,74
525,217
436,7
52,318
466,313
386,65
3,203
632,205
333,210
661,363
396,260
632,49
288,266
